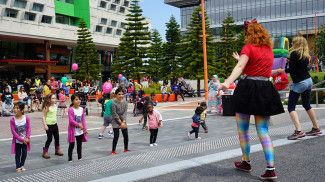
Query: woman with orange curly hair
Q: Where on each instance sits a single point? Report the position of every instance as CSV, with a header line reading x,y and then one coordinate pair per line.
x,y
255,94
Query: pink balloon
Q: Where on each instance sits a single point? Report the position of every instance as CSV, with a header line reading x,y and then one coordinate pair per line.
x,y
74,66
119,76
107,87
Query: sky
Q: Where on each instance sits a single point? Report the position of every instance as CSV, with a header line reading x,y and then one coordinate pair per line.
x,y
159,14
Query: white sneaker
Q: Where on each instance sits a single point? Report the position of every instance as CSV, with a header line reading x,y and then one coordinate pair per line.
x,y
198,138
23,169
188,135
155,144
100,136
151,145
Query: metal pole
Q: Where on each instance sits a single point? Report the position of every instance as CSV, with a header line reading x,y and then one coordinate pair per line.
x,y
205,62
316,48
316,98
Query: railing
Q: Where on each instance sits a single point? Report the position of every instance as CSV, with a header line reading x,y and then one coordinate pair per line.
x,y
313,90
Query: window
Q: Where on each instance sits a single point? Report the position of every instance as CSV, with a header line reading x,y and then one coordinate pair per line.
x,y
117,1
123,25
118,32
29,16
11,13
113,23
126,3
3,1
109,30
62,19
38,7
113,7
122,9
20,3
46,19
99,28
103,21
67,1
102,4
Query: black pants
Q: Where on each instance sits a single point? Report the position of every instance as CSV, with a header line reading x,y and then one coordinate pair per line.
x,y
179,93
293,99
153,135
21,154
145,118
117,135
196,131
53,131
79,147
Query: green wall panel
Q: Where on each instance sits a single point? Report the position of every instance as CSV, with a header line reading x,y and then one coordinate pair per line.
x,y
64,8
83,10
79,9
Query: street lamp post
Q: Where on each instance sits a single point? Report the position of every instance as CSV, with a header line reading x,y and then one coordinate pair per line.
x,y
316,48
205,63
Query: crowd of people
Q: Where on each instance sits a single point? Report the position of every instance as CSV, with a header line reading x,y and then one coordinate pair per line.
x,y
32,92
254,95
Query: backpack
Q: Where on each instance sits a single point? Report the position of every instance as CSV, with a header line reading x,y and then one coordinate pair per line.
x,y
196,118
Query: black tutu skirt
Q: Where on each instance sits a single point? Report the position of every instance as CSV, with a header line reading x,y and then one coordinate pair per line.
x,y
257,97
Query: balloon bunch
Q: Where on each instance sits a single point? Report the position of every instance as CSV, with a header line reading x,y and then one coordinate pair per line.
x,y
121,77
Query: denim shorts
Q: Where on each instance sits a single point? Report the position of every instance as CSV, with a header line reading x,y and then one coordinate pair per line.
x,y
302,85
107,120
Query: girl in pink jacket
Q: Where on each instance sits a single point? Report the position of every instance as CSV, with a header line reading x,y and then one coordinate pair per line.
x,y
20,129
77,130
154,122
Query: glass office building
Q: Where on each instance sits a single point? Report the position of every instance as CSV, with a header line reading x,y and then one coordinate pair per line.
x,y
280,17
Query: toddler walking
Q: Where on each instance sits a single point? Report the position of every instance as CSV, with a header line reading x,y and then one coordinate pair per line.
x,y
196,121
154,122
20,129
203,116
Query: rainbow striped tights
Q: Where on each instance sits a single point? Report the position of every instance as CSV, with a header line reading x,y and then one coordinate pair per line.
x,y
261,123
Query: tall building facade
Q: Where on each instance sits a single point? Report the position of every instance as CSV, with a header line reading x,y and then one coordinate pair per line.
x,y
40,35
280,17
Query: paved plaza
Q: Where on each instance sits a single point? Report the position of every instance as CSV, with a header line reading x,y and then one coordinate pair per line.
x,y
175,158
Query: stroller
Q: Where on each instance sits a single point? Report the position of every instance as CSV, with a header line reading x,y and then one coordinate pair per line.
x,y
83,101
186,89
7,107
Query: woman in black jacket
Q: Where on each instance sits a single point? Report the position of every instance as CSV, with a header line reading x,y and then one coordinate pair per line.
x,y
301,86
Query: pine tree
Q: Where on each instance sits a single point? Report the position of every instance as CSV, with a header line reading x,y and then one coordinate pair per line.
x,y
228,46
321,44
130,58
170,65
86,55
192,52
231,42
155,55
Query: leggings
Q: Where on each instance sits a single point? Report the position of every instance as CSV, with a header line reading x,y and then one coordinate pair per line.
x,y
79,147
293,99
117,135
196,131
261,123
21,154
53,131
153,135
